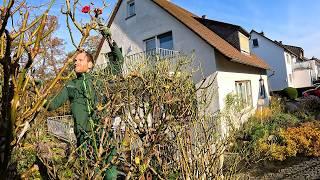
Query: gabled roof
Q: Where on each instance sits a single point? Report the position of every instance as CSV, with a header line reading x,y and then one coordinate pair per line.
x,y
278,43
188,19
295,49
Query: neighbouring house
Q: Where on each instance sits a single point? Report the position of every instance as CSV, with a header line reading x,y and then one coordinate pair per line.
x,y
315,66
311,66
220,49
288,66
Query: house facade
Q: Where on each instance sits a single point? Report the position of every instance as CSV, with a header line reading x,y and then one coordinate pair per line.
x,y
221,52
288,66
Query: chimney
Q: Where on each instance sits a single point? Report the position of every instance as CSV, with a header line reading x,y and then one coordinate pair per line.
x,y
280,42
204,16
262,33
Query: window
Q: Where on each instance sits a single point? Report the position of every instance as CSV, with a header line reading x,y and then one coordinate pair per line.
x,y
243,90
255,42
150,44
244,43
165,41
131,10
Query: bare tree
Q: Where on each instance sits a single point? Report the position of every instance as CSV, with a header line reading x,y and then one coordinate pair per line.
x,y
22,39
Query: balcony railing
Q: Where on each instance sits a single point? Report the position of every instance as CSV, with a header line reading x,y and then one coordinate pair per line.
x,y
302,65
154,53
136,61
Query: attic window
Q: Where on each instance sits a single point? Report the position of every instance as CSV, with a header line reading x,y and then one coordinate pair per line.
x,y
131,9
255,42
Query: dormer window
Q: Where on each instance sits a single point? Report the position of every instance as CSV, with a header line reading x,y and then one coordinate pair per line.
x,y
131,9
244,43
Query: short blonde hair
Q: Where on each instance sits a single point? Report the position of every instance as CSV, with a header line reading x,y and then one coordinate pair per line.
x,y
88,55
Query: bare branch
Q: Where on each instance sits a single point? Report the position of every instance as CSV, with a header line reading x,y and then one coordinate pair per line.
x,y
70,32
5,17
18,7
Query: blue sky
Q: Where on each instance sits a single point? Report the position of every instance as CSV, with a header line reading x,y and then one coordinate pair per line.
x,y
294,22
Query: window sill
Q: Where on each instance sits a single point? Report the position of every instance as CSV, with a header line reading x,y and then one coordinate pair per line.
x,y
130,16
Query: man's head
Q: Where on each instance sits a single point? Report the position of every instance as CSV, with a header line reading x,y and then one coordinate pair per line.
x,y
83,62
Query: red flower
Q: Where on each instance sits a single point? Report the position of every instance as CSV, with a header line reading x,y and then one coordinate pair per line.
x,y
85,9
97,11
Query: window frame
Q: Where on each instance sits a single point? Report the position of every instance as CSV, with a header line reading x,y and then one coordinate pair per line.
x,y
149,39
164,35
129,15
248,101
157,40
257,42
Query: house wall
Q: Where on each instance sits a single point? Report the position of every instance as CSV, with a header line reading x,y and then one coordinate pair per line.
x,y
151,20
302,78
230,72
315,69
289,61
274,56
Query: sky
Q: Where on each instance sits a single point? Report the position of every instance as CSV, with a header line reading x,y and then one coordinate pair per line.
x,y
294,22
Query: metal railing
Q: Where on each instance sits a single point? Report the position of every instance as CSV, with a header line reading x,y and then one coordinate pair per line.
x,y
157,52
135,61
62,127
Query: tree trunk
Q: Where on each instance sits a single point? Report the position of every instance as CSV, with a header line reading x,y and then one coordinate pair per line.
x,y
6,125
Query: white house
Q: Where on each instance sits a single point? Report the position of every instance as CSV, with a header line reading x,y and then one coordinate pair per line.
x,y
288,66
221,49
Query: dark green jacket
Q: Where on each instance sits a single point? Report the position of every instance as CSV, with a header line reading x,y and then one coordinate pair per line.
x,y
115,59
81,94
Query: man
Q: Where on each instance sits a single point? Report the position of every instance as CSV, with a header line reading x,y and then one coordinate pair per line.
x,y
115,57
81,95
83,99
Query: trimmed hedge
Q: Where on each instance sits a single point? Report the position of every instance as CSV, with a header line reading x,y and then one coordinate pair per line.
x,y
290,93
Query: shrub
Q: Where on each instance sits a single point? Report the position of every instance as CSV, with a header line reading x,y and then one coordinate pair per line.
x,y
264,114
276,105
310,104
303,139
283,120
290,93
261,133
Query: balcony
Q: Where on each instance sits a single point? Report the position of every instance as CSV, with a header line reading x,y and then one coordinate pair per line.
x,y
158,53
302,65
138,60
